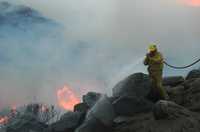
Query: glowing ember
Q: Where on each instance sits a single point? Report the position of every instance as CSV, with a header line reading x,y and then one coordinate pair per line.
x,y
67,99
193,2
3,120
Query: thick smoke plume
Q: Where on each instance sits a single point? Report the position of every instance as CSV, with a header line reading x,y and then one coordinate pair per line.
x,y
89,45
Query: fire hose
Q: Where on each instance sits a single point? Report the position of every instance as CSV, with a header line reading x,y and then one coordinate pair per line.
x,y
182,67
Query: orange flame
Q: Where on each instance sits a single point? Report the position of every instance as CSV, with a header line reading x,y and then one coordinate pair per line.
x,y
67,99
193,2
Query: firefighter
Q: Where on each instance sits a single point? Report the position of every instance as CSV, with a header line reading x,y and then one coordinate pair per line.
x,y
155,62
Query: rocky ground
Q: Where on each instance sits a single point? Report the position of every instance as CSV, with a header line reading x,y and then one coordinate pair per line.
x,y
132,108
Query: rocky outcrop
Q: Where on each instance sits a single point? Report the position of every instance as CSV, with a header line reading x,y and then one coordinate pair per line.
x,y
130,109
67,123
192,95
91,98
193,74
103,111
81,107
181,114
101,115
177,94
167,117
186,94
24,123
169,110
131,105
173,81
134,112
135,85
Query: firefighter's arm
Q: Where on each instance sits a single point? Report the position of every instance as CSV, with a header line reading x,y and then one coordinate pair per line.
x,y
146,60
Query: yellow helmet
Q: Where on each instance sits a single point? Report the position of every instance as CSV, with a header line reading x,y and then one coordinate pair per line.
x,y
152,47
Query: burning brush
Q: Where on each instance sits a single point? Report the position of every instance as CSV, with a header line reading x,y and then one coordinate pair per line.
x,y
67,98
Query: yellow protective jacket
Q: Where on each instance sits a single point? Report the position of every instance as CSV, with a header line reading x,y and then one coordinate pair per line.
x,y
155,63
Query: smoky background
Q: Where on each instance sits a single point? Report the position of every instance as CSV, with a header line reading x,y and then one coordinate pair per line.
x,y
97,44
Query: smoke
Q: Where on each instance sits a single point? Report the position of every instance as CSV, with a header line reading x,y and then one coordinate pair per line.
x,y
97,44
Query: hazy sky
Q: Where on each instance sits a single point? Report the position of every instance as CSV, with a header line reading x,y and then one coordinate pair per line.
x,y
126,24
112,37
126,28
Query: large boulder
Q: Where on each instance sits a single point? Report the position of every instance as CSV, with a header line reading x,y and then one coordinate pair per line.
x,y
173,81
192,95
91,98
67,123
169,110
130,105
103,111
99,118
137,85
186,94
176,94
81,107
193,74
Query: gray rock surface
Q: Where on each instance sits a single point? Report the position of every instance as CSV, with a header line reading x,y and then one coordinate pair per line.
x,y
99,118
137,85
170,117
81,107
173,81
68,122
181,114
169,110
103,111
93,125
177,94
130,105
25,123
91,98
192,95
